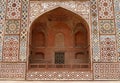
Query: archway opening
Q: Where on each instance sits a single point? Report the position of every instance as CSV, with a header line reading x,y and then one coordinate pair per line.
x,y
59,39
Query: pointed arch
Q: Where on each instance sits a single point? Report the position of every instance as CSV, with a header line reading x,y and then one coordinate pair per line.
x,y
60,16
62,7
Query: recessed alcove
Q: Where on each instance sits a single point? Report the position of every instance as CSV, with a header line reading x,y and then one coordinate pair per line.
x,y
59,39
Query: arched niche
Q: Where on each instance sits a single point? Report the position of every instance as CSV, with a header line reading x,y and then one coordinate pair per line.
x,y
81,36
77,28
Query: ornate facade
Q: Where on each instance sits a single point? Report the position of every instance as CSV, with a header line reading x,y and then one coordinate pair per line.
x,y
59,39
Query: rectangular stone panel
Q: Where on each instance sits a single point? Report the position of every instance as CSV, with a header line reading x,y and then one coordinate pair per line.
x,y
107,27
105,9
11,48
12,27
13,9
106,71
12,71
59,75
108,48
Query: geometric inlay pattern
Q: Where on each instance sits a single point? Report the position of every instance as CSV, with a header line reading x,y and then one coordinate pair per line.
x,y
117,21
105,9
13,9
107,26
11,48
108,49
95,31
12,71
12,26
2,24
57,75
106,71
37,8
24,29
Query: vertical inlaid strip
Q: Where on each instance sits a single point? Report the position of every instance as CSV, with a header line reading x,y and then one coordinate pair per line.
x,y
95,31
117,21
2,24
24,29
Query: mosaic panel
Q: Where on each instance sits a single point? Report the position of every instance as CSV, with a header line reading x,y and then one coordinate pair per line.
x,y
108,48
106,9
23,33
12,71
39,7
12,27
106,71
11,48
2,24
13,9
57,75
117,19
107,26
95,31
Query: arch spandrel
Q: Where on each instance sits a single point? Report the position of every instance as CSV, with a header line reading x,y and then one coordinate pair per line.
x,y
38,8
